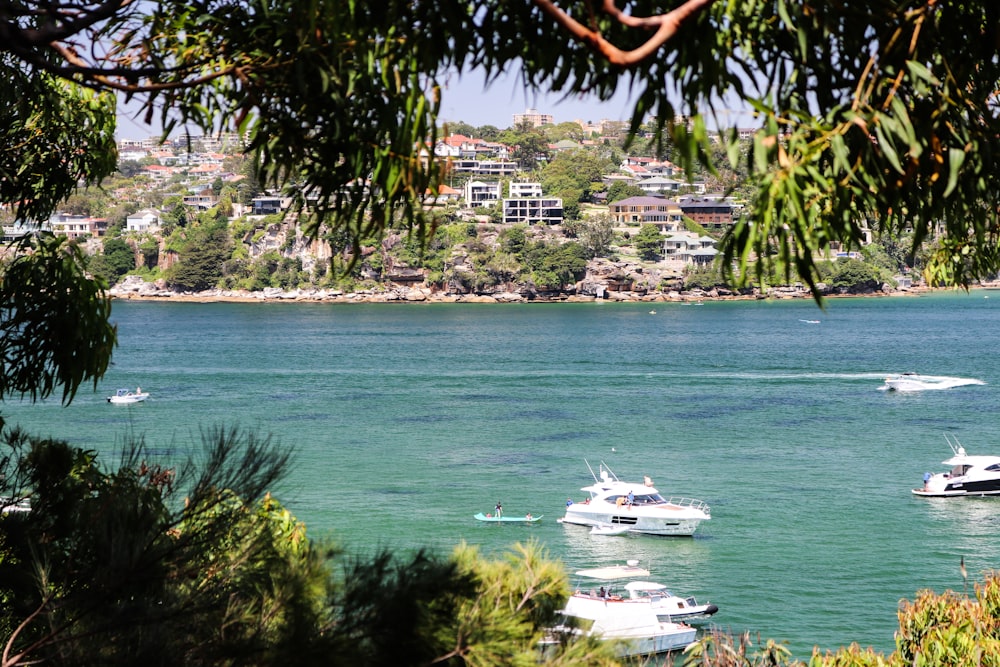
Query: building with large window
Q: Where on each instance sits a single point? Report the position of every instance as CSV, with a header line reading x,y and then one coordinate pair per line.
x,y
533,117
544,210
718,213
478,193
77,226
666,214
525,204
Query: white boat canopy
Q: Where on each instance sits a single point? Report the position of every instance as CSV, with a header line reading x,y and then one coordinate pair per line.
x,y
644,586
613,572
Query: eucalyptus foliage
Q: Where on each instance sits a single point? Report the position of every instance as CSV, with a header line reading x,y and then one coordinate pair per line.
x,y
876,115
55,329
55,136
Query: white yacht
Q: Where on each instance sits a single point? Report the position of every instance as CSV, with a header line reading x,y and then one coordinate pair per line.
x,y
642,616
614,507
968,476
666,605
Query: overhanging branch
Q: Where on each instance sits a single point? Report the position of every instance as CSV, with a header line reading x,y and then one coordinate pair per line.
x,y
665,27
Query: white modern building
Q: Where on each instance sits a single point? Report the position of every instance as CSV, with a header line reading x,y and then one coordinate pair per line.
x,y
526,204
142,221
479,193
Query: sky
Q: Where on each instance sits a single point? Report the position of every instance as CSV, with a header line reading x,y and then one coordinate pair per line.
x,y
467,99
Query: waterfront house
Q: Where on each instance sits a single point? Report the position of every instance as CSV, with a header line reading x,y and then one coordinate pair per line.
x,y
479,193
142,221
688,248
526,204
77,226
711,212
637,211
270,204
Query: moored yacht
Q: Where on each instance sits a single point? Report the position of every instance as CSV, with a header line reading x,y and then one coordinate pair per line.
x,y
637,507
664,604
644,619
969,476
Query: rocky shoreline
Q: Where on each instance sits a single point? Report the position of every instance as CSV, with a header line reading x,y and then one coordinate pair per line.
x,y
135,288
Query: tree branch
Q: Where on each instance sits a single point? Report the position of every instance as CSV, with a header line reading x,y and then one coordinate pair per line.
x,y
666,27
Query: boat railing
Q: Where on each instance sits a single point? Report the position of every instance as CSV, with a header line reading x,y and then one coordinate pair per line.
x,y
690,502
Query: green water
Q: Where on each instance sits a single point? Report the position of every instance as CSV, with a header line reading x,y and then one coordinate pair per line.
x,y
406,420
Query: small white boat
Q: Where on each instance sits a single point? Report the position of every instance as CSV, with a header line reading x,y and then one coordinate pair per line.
x,y
644,618
968,476
917,382
14,505
635,507
125,396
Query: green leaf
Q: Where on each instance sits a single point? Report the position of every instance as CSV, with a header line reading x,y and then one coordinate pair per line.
x,y
956,158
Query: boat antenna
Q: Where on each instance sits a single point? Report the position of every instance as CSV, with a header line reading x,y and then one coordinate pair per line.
x,y
611,473
956,447
592,474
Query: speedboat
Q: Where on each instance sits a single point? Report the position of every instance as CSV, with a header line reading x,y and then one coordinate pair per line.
x,y
643,618
916,382
636,507
123,396
969,476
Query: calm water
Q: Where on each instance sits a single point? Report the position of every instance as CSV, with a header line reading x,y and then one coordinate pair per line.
x,y
408,419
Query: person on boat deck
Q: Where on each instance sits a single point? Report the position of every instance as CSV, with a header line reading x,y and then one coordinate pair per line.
x,y
619,501
631,499
499,509
569,501
601,592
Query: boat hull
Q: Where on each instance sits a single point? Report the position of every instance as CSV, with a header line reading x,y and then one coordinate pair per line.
x,y
649,521
127,400
639,642
983,487
653,641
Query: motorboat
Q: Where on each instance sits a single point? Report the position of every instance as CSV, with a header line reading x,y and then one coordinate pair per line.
x,y
969,475
636,506
642,616
125,396
916,382
14,505
666,605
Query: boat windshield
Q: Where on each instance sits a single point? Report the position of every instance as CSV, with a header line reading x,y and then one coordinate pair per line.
x,y
648,499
